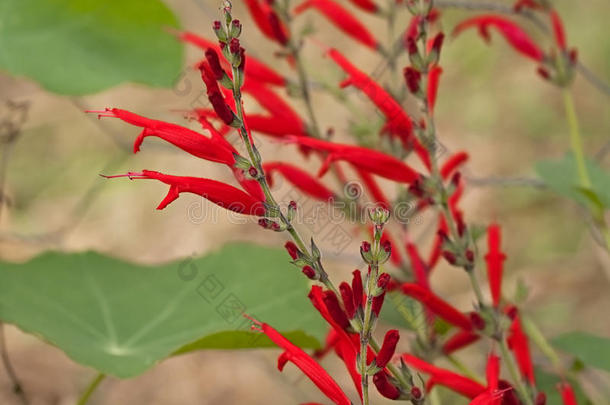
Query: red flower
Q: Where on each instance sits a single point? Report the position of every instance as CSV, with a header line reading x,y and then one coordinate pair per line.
x,y
446,378
518,343
255,69
300,179
420,269
493,395
398,121
342,19
433,81
216,148
370,160
223,111
459,340
366,5
495,259
357,289
558,30
221,194
567,393
305,363
515,36
267,21
451,164
334,309
348,299
437,305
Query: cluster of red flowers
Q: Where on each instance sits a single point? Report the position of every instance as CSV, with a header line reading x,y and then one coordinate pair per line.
x,y
352,309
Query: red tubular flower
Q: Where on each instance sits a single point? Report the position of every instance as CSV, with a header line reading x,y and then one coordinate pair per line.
x,y
342,19
305,363
494,259
300,179
446,378
420,270
334,309
515,36
216,98
366,5
273,103
412,79
212,57
518,343
348,299
267,21
558,30
437,305
459,340
215,149
370,160
433,81
378,303
567,394
357,289
437,247
493,395
451,164
292,250
384,386
373,188
255,69
398,121
387,348
221,194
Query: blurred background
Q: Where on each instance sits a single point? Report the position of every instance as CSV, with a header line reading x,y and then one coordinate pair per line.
x,y
491,103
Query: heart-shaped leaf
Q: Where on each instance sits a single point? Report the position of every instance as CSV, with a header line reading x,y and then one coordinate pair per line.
x,y
122,318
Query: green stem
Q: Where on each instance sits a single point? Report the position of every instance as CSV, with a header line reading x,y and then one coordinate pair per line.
x,y
575,139
514,373
91,388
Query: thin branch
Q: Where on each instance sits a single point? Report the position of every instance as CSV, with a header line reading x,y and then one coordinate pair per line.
x,y
505,182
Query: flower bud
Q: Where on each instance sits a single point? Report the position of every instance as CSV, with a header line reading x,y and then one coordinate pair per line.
x,y
292,250
357,289
379,215
335,310
365,252
212,57
292,210
540,399
219,31
384,386
412,78
378,303
348,299
309,272
477,321
235,28
387,348
450,257
383,280
415,392
252,172
234,46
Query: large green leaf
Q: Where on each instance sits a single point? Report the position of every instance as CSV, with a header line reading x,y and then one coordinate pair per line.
x,y
122,318
592,350
562,177
84,46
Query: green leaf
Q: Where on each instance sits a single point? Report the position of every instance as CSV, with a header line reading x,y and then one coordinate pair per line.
x,y
562,177
122,318
593,350
84,46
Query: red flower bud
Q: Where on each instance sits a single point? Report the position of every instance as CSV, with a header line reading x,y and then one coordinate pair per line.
x,y
470,255
383,280
212,57
365,247
309,272
348,299
477,321
292,250
412,46
386,245
234,46
387,348
300,179
567,393
437,42
378,303
384,386
540,399
334,308
450,257
416,392
412,78
357,289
